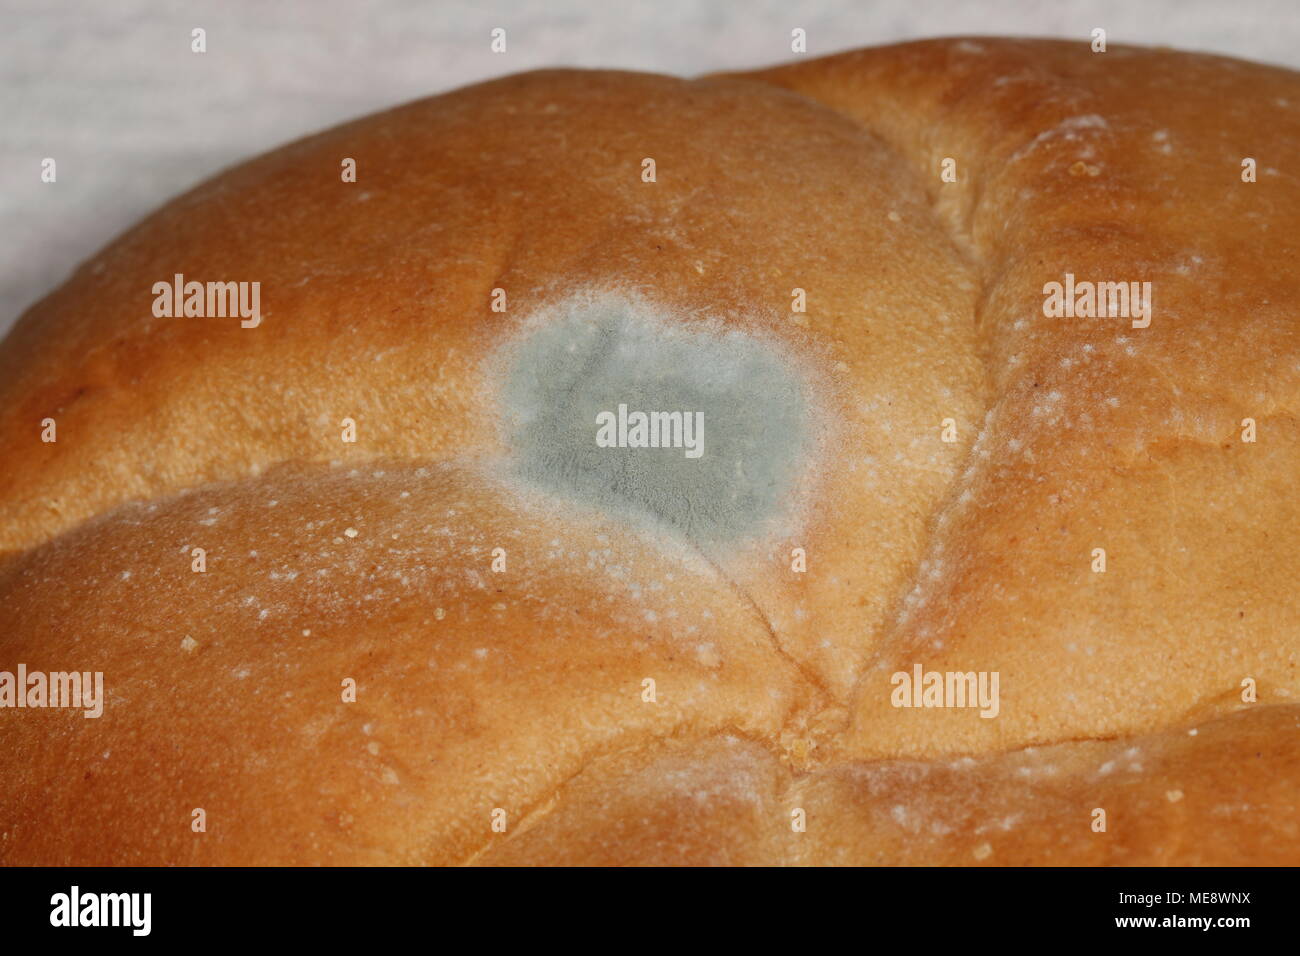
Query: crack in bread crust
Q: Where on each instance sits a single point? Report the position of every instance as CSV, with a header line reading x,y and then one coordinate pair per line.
x,y
521,689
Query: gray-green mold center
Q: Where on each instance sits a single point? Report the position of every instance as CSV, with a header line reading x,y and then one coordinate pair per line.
x,y
563,375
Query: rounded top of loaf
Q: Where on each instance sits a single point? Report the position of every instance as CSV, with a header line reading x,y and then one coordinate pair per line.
x,y
844,266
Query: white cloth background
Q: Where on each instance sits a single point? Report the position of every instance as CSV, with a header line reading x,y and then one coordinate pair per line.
x,y
110,89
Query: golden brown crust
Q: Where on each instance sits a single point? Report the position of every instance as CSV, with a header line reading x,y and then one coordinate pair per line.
x,y
474,690
1221,793
522,690
1102,435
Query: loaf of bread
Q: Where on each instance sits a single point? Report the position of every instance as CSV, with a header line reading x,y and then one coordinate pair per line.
x,y
887,458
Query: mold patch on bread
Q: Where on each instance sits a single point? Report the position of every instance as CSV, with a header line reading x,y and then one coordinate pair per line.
x,y
725,430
